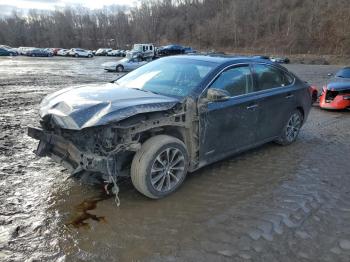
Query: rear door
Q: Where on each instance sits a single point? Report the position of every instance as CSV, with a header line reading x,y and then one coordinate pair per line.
x,y
276,96
228,126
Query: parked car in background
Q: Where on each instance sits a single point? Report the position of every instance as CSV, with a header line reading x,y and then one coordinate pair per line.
x,y
103,51
171,116
78,52
39,52
22,50
63,52
114,53
7,52
50,50
126,64
336,93
265,57
5,46
123,53
170,50
55,50
189,50
281,60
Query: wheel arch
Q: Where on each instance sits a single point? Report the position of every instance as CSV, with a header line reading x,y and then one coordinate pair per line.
x,y
169,130
301,109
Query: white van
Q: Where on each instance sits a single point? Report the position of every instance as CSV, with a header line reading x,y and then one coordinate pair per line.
x,y
147,50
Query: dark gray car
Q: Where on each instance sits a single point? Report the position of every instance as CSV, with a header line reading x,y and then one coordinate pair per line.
x,y
171,116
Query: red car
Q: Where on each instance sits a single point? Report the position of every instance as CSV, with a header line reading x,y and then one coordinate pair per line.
x,y
314,93
336,94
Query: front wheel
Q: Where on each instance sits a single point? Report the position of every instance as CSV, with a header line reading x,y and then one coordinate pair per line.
x,y
76,55
291,130
119,68
160,166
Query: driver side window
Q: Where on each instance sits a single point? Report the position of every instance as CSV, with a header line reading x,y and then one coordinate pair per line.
x,y
236,81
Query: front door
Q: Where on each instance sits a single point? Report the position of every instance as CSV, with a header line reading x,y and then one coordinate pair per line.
x,y
229,126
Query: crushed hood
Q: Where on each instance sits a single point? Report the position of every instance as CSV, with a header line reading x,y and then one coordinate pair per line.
x,y
95,104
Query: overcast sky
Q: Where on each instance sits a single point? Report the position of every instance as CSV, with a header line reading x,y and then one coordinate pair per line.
x,y
6,6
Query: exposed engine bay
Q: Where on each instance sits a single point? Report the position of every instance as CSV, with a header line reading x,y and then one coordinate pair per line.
x,y
102,154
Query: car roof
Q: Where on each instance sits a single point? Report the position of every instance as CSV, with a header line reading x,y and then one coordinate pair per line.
x,y
222,59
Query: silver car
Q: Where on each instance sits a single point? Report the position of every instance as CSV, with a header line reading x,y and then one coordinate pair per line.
x,y
125,64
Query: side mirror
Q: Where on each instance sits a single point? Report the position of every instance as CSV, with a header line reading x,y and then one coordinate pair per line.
x,y
217,95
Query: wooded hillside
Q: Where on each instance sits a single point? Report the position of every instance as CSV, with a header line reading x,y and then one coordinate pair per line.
x,y
289,26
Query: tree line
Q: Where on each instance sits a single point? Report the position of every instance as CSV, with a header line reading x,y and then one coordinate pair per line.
x,y
284,26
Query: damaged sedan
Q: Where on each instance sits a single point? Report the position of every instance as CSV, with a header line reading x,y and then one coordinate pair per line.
x,y
170,117
336,94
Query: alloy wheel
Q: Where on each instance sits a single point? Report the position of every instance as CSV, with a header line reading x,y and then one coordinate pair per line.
x,y
293,127
167,170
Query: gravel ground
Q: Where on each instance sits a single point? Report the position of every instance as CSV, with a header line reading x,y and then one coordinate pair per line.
x,y
272,203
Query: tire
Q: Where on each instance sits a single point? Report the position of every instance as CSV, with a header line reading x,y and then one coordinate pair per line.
x,y
119,68
76,55
33,55
151,172
291,129
89,56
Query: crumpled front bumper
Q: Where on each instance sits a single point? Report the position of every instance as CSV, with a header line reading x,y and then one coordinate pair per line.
x,y
66,153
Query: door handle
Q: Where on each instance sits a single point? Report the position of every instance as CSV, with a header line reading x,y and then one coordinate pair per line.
x,y
289,96
252,107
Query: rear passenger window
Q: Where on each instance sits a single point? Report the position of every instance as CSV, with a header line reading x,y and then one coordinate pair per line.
x,y
269,77
236,81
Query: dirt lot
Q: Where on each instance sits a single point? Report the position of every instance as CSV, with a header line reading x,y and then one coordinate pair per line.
x,y
270,204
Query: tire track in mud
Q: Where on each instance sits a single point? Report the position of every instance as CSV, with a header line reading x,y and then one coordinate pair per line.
x,y
306,216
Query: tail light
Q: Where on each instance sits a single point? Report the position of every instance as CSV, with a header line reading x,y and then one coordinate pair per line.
x,y
313,93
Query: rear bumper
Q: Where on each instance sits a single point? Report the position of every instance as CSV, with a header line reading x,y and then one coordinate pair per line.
x,y
66,153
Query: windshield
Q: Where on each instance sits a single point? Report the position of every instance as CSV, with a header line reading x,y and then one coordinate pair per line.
x,y
170,76
124,60
137,47
344,73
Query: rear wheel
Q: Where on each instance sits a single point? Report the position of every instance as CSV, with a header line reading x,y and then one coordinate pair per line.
x,y
291,130
33,55
160,166
120,68
76,55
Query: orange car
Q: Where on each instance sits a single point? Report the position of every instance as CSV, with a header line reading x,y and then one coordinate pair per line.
x,y
336,94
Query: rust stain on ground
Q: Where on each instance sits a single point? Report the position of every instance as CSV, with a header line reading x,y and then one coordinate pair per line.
x,y
80,220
